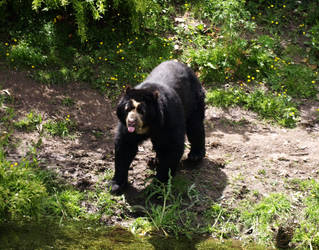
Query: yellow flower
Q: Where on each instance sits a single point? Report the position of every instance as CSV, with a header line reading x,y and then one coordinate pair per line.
x,y
277,23
253,78
248,80
100,58
33,66
253,17
105,59
248,76
11,165
7,54
226,77
101,43
16,164
272,6
6,44
284,6
313,81
257,70
122,58
272,21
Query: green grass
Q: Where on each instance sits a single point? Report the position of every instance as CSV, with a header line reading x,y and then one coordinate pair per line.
x,y
278,107
30,193
168,208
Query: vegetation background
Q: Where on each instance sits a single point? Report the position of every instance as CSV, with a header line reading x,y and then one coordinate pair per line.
x,y
258,55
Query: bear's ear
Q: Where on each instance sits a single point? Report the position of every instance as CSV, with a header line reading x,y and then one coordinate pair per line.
x,y
156,94
128,89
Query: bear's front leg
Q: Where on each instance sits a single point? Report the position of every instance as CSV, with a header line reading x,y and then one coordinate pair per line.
x,y
168,153
167,160
126,147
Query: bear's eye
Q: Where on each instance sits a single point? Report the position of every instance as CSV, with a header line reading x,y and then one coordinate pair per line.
x,y
128,106
140,109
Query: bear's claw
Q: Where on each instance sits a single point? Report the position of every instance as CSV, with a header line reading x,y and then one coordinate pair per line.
x,y
115,188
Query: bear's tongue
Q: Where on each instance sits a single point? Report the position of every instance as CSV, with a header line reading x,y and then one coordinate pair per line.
x,y
131,129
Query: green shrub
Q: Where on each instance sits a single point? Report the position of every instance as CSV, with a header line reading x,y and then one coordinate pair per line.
x,y
269,106
133,10
230,14
314,36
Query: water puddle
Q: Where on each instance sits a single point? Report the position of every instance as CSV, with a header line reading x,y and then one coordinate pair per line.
x,y
51,235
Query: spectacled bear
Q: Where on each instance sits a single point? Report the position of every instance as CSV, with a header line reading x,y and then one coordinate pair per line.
x,y
167,105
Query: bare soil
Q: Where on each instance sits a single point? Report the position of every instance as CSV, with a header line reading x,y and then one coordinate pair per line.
x,y
244,153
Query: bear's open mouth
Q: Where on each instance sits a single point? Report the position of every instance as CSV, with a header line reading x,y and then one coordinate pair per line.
x,y
130,129
131,126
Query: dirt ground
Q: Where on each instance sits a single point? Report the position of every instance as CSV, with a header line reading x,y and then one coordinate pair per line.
x,y
243,153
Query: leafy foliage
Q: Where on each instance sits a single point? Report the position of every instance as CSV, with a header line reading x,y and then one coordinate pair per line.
x,y
131,9
269,106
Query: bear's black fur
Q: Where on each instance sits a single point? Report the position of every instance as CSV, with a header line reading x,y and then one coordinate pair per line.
x,y
165,107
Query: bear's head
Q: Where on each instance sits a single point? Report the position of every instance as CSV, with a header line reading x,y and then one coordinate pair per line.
x,y
138,110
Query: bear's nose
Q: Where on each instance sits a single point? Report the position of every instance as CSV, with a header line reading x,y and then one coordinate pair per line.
x,y
131,121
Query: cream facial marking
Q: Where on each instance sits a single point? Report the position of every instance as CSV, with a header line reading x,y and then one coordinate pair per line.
x,y
134,122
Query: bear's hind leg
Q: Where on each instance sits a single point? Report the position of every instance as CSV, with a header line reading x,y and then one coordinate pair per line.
x,y
196,136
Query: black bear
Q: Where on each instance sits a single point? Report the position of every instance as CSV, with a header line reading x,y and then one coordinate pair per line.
x,y
168,104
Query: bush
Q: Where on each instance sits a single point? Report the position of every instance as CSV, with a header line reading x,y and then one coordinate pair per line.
x,y
132,10
269,106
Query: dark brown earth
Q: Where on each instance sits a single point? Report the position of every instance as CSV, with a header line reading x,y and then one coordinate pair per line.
x,y
244,153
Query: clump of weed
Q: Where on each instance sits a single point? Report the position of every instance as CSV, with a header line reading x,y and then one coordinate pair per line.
x,y
221,222
168,210
261,217
63,127
307,234
29,123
